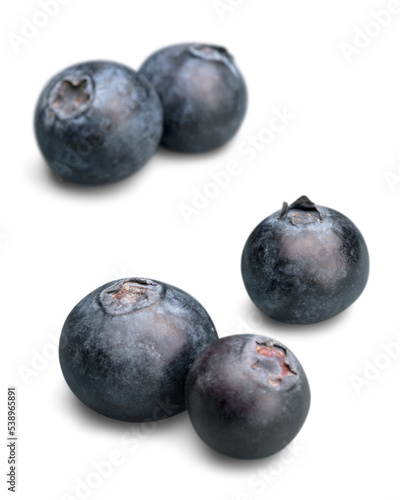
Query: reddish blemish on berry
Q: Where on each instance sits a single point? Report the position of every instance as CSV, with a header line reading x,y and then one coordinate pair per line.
x,y
278,355
130,295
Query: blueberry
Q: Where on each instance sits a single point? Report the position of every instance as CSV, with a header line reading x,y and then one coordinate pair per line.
x,y
126,348
203,94
247,396
305,263
98,122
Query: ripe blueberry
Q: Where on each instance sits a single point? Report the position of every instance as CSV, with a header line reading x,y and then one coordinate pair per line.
x,y
203,94
247,396
126,348
305,263
98,122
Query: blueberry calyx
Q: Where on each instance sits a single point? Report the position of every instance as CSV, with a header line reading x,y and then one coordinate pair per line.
x,y
306,216
129,295
272,359
213,53
209,52
71,97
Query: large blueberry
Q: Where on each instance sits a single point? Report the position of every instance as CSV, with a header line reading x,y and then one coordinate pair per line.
x,y
247,396
305,263
126,348
98,122
203,94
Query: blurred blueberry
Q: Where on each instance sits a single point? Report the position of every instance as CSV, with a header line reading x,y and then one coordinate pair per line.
x,y
98,122
203,94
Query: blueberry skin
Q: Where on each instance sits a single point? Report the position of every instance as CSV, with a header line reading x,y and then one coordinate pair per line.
x,y
203,94
98,122
247,396
305,263
126,348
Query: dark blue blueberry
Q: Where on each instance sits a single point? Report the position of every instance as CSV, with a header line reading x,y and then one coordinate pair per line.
x,y
305,263
203,94
247,396
126,348
98,122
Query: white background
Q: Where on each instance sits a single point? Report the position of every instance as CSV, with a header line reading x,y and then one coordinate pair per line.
x,y
58,242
